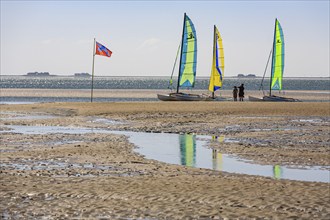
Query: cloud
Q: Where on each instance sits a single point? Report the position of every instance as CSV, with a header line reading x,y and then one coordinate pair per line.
x,y
53,41
151,44
47,41
85,41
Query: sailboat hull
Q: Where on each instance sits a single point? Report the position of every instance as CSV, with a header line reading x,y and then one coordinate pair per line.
x,y
188,97
255,99
167,97
272,98
183,97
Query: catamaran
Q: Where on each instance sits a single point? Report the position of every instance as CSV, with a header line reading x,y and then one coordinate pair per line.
x,y
218,64
187,67
277,68
188,63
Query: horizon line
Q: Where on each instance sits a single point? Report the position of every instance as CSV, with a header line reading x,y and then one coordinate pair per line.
x,y
249,77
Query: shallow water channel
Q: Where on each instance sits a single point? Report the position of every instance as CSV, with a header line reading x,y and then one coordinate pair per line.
x,y
190,150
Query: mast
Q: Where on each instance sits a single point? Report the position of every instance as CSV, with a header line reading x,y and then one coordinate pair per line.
x,y
271,72
214,43
184,25
93,72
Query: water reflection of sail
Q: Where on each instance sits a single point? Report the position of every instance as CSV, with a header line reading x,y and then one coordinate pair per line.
x,y
188,150
216,155
217,160
277,172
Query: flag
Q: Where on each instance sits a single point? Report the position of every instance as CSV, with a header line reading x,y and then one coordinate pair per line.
x,y
102,50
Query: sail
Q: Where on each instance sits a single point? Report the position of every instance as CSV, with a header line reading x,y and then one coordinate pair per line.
x,y
278,58
187,69
218,62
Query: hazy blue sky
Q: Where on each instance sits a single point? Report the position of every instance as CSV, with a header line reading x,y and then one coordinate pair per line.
x,y
57,36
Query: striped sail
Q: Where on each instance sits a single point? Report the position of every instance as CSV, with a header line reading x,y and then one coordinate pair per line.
x,y
278,58
218,62
187,70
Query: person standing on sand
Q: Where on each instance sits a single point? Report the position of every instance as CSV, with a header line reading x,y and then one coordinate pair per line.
x,y
241,92
235,90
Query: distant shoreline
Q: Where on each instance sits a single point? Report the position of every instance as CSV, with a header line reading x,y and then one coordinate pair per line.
x,y
198,77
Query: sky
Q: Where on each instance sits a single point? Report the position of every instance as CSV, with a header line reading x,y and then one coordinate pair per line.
x,y
57,36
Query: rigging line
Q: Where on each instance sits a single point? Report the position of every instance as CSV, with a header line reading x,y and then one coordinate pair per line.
x,y
176,58
263,77
170,83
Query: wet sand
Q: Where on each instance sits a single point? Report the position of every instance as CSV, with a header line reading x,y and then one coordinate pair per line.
x,y
99,176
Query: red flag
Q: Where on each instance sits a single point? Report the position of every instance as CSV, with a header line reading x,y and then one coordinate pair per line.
x,y
102,50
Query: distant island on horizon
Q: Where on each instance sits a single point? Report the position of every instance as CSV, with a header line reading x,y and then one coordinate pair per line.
x,y
82,75
86,75
246,76
38,74
47,74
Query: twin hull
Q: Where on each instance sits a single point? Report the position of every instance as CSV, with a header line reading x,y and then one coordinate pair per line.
x,y
183,97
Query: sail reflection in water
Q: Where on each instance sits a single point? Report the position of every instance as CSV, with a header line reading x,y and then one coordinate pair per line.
x,y
192,151
217,160
188,150
218,163
277,172
188,153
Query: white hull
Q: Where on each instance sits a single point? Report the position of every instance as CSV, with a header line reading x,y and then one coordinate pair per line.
x,y
255,99
272,98
187,97
181,97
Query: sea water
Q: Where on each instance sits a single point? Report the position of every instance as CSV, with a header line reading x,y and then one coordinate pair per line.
x,y
143,82
152,82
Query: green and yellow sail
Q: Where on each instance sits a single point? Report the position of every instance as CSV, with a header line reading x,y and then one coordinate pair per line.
x,y
218,65
277,170
277,58
188,59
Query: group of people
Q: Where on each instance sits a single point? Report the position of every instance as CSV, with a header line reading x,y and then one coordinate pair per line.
x,y
240,92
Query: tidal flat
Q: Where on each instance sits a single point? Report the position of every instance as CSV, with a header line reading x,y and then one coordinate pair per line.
x,y
100,175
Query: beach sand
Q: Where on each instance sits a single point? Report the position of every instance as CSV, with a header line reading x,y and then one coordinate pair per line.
x,y
306,95
120,184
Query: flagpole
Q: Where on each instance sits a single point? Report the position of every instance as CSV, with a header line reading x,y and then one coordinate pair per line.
x,y
93,72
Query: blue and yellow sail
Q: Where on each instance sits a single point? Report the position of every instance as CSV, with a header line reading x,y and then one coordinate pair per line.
x,y
218,65
277,58
188,59
188,150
